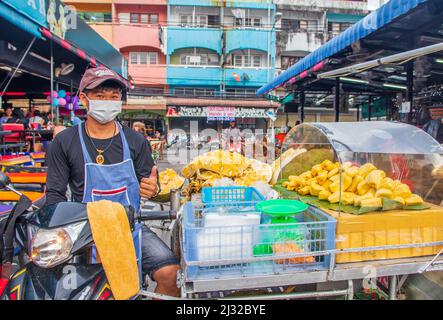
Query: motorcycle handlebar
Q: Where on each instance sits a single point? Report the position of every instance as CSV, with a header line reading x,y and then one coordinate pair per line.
x,y
147,215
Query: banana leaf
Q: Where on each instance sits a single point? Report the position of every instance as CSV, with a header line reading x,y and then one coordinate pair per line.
x,y
417,207
389,204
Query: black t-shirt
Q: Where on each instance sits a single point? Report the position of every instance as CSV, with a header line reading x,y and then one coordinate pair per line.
x,y
65,161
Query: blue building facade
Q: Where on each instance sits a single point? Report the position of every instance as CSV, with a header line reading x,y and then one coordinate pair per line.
x,y
220,48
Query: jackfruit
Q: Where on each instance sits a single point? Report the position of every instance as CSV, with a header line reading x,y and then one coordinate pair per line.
x,y
355,182
335,178
326,184
363,188
305,190
402,190
371,203
375,177
386,183
413,200
322,177
316,169
365,169
351,171
315,189
347,198
324,195
285,184
384,193
333,172
400,199
328,165
359,199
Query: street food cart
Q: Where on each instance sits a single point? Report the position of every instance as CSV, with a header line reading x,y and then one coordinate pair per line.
x,y
338,243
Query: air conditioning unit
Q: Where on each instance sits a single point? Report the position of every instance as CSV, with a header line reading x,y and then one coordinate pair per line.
x,y
193,60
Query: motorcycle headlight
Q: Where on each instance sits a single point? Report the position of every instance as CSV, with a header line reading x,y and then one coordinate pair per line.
x,y
50,247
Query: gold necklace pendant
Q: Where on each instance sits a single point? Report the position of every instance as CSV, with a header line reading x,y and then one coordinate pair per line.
x,y
100,159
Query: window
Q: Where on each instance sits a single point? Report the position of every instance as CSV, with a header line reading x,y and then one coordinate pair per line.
x,y
247,22
290,24
256,61
199,92
336,27
240,92
202,21
154,18
213,21
198,57
257,22
124,18
135,17
144,18
143,57
247,61
185,20
96,16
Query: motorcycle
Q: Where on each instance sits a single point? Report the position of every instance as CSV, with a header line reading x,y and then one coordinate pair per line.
x,y
57,241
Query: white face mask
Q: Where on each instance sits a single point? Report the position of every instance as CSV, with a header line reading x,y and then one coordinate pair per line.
x,y
104,111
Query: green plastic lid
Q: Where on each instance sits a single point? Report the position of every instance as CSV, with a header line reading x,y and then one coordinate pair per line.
x,y
281,207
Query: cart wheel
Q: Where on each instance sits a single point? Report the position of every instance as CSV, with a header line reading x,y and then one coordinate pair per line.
x,y
175,238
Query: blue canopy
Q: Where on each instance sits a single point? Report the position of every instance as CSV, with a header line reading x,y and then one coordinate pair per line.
x,y
27,15
371,23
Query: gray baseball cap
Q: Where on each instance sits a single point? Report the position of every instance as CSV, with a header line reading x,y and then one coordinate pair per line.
x,y
94,77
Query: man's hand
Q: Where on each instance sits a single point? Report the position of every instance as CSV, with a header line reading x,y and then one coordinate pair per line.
x,y
148,186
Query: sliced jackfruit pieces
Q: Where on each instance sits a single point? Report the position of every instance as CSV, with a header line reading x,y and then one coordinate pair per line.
x,y
375,177
413,200
355,182
365,169
371,203
324,195
384,193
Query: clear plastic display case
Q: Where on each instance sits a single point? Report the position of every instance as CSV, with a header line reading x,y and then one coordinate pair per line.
x,y
403,152
382,181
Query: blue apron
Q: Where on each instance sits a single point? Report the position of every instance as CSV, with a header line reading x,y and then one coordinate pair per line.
x,y
115,182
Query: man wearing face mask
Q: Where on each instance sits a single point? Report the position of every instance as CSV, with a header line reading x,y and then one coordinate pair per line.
x,y
81,156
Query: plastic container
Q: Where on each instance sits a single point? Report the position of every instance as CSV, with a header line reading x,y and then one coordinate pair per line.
x,y
212,196
243,250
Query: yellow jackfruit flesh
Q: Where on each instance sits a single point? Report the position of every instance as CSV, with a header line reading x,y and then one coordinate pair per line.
x,y
384,193
371,203
355,182
351,171
305,190
402,190
375,178
333,172
316,169
324,194
347,198
400,199
315,189
386,183
359,199
365,169
363,188
322,177
414,200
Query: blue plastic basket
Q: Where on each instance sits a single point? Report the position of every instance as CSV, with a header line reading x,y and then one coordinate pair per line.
x,y
206,251
212,196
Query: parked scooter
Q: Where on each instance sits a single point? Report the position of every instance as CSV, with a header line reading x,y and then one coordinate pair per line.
x,y
58,242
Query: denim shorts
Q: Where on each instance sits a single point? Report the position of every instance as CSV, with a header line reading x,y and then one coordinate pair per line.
x,y
155,253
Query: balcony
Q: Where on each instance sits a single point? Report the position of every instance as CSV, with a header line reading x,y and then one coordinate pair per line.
x,y
301,41
258,39
193,76
150,74
129,35
331,4
249,77
141,2
179,38
253,4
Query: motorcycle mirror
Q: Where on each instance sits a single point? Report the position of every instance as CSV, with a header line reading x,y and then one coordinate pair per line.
x,y
4,180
